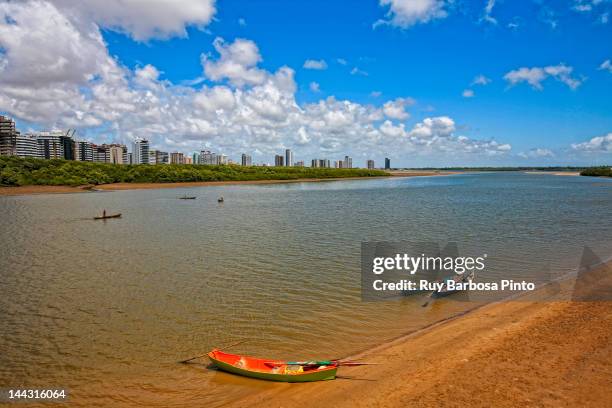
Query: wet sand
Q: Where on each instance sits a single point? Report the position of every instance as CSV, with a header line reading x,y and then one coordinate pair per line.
x,y
508,354
27,190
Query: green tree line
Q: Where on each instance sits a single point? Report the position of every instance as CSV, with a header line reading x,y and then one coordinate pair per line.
x,y
604,171
15,171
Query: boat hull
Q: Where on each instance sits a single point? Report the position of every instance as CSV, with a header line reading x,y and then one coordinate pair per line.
x,y
444,293
108,216
308,376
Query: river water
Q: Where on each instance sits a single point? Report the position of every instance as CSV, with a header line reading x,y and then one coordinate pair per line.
x,y
106,308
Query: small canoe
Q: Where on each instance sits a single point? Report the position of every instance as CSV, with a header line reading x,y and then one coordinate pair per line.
x,y
103,217
187,198
459,279
274,370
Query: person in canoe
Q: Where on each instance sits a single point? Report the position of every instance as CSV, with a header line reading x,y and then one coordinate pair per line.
x,y
104,216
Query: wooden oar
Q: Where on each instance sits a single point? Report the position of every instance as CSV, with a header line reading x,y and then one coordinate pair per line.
x,y
355,363
203,355
321,363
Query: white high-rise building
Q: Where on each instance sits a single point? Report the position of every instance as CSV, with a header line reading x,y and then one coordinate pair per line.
x,y
140,151
26,146
207,157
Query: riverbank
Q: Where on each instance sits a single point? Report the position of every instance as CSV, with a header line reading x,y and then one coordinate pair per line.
x,y
419,173
555,173
545,353
35,189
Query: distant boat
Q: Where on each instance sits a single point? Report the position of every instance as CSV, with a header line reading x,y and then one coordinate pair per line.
x,y
103,217
185,197
458,279
274,370
220,199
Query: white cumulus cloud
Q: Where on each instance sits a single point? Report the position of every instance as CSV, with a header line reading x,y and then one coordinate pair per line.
x,y
237,63
599,144
396,109
142,19
536,75
406,13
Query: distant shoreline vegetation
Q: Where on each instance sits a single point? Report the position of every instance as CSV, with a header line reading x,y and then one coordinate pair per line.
x,y
605,171
599,171
15,171
520,168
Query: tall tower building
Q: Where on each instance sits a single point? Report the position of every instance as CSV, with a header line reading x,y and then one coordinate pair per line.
x,y
288,158
84,151
387,163
246,160
50,144
117,154
279,160
348,162
177,158
68,145
101,153
140,151
8,136
27,146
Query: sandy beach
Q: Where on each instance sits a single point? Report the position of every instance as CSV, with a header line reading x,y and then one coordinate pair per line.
x,y
27,190
508,354
555,173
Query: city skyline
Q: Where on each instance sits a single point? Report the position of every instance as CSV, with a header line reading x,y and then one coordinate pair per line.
x,y
62,144
433,83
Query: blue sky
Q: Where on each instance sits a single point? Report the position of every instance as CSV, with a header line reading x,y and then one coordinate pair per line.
x,y
427,53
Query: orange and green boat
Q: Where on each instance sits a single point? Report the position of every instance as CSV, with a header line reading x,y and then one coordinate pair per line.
x,y
274,370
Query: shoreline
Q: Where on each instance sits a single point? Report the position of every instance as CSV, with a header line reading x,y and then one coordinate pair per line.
x,y
550,352
554,173
39,189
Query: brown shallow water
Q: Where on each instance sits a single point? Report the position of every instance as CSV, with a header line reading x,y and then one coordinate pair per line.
x,y
105,309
